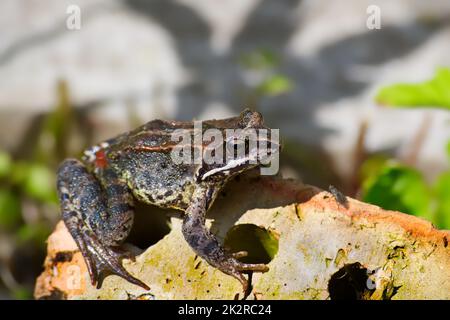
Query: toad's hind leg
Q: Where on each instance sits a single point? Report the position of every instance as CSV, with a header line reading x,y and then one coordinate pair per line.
x,y
206,245
98,219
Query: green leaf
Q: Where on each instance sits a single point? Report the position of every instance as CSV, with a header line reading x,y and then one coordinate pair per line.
x,y
36,233
259,59
399,188
10,211
22,293
19,172
39,183
432,93
275,85
5,164
448,150
372,167
442,194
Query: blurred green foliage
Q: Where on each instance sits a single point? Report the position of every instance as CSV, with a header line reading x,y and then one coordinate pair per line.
x,y
395,186
260,59
274,85
10,211
448,150
5,164
28,200
272,82
39,183
432,93
442,194
21,293
54,137
37,233
27,196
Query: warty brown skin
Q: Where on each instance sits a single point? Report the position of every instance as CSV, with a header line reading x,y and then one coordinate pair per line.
x,y
97,195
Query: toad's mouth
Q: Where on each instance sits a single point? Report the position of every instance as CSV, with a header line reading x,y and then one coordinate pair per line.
x,y
227,169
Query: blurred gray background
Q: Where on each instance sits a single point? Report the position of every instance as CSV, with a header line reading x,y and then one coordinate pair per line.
x,y
179,59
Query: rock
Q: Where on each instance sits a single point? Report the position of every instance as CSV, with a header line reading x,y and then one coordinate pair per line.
x,y
320,250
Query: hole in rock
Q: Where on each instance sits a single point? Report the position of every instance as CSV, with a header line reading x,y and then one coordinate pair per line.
x,y
350,283
151,224
260,243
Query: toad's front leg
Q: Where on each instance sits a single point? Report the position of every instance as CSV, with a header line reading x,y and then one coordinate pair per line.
x,y
206,245
98,219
